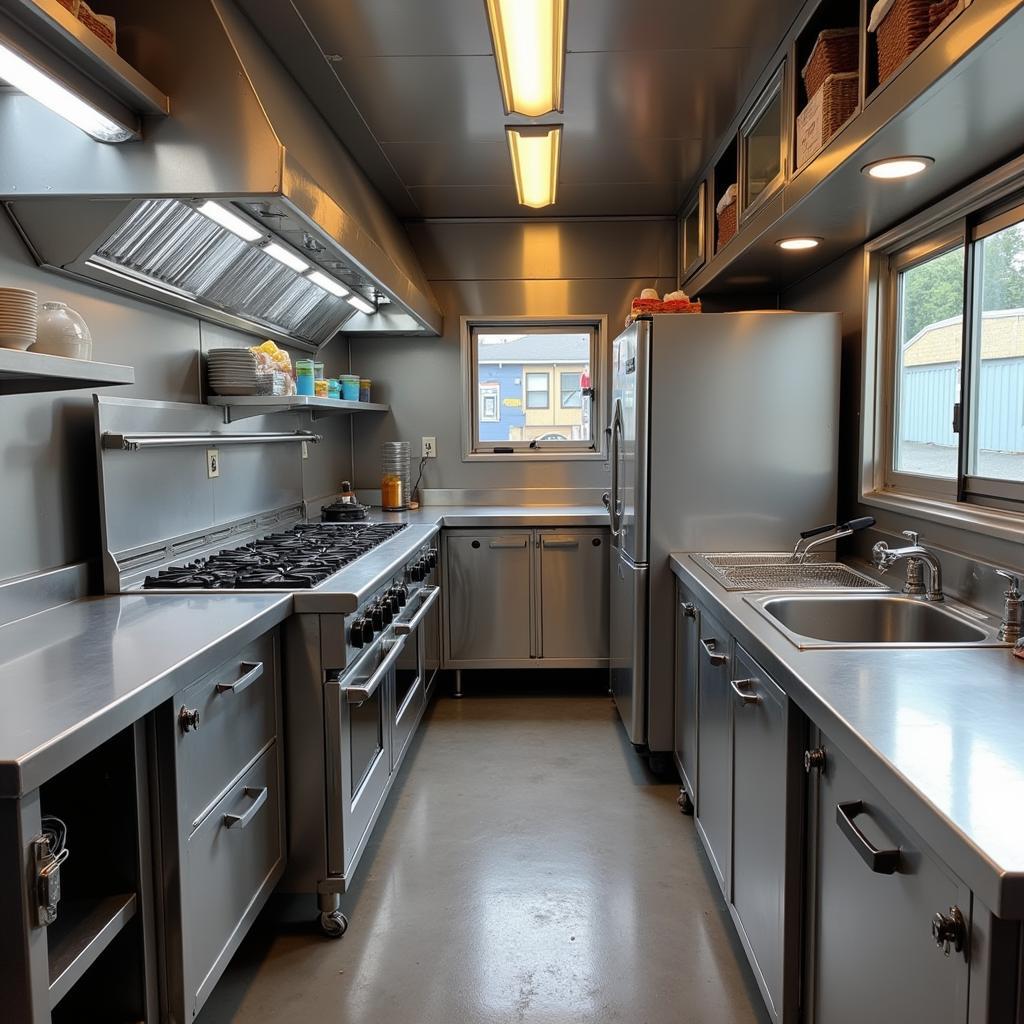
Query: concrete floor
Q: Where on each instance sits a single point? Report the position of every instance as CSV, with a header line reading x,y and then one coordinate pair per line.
x,y
527,868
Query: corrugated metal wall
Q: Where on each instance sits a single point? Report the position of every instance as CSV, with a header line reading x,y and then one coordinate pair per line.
x,y
929,393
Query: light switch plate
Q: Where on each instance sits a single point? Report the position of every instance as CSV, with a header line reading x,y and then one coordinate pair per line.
x,y
212,463
430,447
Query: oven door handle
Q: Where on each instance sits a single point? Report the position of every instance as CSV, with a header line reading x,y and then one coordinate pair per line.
x,y
361,694
405,628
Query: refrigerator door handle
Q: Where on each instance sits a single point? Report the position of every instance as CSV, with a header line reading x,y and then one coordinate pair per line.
x,y
614,505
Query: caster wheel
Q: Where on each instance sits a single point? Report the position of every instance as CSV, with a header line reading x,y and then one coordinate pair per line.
x,y
685,803
333,924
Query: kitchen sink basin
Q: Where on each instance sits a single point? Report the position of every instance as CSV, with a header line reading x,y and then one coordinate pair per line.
x,y
875,620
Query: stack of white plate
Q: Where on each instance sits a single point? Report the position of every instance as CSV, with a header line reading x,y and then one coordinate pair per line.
x,y
19,317
232,371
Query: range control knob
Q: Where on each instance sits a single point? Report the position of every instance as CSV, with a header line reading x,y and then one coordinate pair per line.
x,y
361,632
402,593
377,618
431,559
416,572
949,930
814,759
385,610
391,599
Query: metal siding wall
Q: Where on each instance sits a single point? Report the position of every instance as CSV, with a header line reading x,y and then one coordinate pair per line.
x,y
1001,427
926,406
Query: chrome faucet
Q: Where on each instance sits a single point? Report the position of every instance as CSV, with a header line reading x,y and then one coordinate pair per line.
x,y
834,531
917,558
1010,627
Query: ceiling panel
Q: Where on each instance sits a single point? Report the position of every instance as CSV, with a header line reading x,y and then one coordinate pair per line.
x,y
391,28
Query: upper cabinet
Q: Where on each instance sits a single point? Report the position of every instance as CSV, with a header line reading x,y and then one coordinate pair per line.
x,y
763,146
692,234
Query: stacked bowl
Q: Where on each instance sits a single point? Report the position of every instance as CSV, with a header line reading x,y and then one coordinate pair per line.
x,y
233,371
19,317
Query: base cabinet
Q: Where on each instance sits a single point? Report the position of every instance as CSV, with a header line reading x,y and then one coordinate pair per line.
x,y
874,891
526,598
686,670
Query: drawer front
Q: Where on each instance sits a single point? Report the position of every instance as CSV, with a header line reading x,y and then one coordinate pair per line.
x,y
875,927
237,706
232,862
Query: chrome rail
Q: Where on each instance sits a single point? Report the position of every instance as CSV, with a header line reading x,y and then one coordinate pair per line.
x,y
136,442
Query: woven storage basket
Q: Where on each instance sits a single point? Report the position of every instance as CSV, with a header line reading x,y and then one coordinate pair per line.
x,y
901,32
836,51
825,114
938,13
726,225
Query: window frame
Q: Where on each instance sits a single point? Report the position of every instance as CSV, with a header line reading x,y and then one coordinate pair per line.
x,y
983,505
475,450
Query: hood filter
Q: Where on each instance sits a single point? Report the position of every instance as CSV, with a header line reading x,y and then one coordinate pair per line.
x,y
169,244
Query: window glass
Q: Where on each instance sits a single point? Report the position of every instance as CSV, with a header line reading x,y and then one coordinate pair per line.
x,y
997,412
529,386
930,338
570,396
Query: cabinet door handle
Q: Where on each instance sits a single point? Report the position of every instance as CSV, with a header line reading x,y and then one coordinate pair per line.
x,y
742,695
882,862
714,658
252,670
560,543
259,798
689,609
497,544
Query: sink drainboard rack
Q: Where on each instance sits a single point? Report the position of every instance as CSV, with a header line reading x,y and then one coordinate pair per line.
x,y
774,571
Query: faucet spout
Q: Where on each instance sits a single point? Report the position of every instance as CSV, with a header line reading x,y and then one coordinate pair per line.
x,y
917,558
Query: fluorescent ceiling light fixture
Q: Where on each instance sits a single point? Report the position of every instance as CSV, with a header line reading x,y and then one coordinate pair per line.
x,y
285,256
328,284
535,150
898,167
795,244
29,79
360,303
529,48
226,219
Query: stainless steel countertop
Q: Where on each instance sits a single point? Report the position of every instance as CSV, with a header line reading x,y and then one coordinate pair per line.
x,y
939,732
75,675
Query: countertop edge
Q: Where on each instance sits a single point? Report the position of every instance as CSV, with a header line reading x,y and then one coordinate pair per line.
x,y
1000,890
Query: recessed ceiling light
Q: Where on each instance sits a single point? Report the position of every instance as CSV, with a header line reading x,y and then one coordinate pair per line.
x,y
535,150
798,243
360,303
529,49
32,81
286,256
328,284
898,167
226,219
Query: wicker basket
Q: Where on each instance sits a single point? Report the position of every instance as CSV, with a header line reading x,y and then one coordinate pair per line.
x,y
901,32
826,113
938,13
726,225
836,51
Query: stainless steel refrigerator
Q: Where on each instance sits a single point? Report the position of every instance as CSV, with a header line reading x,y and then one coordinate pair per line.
x,y
723,437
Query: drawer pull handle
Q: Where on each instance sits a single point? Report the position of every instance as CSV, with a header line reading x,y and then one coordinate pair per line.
x,y
689,609
259,798
497,545
574,544
361,694
430,595
188,719
252,670
882,862
743,696
710,646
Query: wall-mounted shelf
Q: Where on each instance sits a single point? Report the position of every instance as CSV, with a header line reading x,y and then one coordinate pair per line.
x,y
82,931
24,372
928,107
240,407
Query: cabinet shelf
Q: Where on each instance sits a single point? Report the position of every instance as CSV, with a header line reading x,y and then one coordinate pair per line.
x,y
83,930
240,407
24,372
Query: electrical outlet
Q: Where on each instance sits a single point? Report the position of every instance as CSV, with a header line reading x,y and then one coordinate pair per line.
x,y
430,447
212,463
305,449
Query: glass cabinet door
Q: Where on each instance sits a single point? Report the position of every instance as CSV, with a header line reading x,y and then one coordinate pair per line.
x,y
761,139
691,236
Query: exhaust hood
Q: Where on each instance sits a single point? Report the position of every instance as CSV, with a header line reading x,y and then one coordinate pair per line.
x,y
296,245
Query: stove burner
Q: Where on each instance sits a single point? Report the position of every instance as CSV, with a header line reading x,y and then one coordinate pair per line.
x,y
298,559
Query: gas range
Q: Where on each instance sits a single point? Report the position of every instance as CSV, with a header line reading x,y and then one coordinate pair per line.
x,y
296,559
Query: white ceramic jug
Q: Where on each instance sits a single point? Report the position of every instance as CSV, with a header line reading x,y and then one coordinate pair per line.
x,y
63,332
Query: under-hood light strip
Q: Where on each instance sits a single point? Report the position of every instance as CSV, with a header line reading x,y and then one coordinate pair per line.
x,y
360,303
32,81
328,284
231,221
286,256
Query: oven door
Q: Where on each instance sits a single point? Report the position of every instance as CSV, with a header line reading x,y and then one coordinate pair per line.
x,y
358,720
410,670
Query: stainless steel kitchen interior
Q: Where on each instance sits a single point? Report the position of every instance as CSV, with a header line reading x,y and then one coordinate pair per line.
x,y
524,492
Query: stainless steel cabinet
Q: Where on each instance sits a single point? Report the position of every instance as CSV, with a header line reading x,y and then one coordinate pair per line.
x,y
489,577
526,598
765,815
714,748
687,652
573,588
875,890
